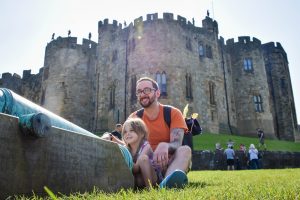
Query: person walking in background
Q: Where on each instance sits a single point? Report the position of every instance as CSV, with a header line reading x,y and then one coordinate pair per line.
x,y
261,138
253,157
230,143
229,152
117,131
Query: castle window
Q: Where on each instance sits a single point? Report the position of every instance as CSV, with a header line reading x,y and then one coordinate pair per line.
x,y
43,97
212,87
212,116
188,80
158,79
133,88
112,97
163,84
208,51
282,83
201,50
283,86
188,43
114,56
248,67
131,45
161,80
258,103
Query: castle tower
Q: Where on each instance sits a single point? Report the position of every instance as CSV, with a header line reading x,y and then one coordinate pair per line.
x,y
251,89
110,72
68,80
284,114
190,73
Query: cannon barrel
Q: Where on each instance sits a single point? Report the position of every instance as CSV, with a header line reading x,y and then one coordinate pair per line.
x,y
33,114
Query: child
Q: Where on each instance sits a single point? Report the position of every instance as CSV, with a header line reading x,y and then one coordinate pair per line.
x,y
135,135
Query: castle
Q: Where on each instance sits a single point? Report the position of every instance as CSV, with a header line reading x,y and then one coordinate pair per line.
x,y
235,87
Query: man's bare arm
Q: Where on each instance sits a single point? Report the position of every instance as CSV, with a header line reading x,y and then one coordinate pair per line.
x,y
176,138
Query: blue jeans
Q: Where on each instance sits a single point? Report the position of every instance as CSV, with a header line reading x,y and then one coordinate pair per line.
x,y
254,164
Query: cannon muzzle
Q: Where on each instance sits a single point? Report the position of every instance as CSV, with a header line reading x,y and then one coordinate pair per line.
x,y
33,118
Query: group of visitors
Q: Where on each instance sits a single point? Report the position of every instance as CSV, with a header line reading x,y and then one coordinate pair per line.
x,y
156,147
252,155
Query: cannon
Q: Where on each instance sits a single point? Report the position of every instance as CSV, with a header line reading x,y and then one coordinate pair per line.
x,y
58,154
34,119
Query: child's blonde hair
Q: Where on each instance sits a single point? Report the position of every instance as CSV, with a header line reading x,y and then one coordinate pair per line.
x,y
137,126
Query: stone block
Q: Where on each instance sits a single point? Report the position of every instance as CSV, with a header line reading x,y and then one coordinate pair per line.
x,y
63,161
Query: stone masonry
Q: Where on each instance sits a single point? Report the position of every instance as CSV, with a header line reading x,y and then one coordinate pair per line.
x,y
235,87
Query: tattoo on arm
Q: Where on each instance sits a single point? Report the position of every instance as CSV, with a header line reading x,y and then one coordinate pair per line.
x,y
176,138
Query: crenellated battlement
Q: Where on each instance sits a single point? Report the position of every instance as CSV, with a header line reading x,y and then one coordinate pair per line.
x,y
208,23
168,17
105,24
244,42
71,42
9,76
273,45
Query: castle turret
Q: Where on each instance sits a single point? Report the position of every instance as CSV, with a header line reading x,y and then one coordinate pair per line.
x,y
251,89
68,77
111,73
279,80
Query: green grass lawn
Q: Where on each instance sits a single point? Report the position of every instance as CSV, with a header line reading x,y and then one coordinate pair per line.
x,y
207,141
245,184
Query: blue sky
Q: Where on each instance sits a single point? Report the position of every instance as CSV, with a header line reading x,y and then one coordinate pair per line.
x,y
26,26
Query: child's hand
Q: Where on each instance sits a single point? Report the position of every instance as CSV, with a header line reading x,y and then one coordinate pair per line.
x,y
106,136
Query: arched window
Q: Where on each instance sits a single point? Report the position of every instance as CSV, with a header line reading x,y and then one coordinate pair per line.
x,y
201,50
161,79
164,84
248,66
258,103
158,79
133,88
208,51
188,80
212,93
112,95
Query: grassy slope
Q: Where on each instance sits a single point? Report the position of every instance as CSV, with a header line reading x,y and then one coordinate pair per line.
x,y
207,141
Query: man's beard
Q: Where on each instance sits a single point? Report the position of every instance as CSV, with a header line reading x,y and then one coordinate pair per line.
x,y
151,100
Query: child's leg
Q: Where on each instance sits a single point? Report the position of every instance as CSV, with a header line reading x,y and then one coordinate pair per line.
x,y
147,171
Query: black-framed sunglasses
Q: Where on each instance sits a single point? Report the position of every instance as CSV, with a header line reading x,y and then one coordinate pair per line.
x,y
145,91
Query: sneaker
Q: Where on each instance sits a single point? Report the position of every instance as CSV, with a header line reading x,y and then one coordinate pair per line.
x,y
176,179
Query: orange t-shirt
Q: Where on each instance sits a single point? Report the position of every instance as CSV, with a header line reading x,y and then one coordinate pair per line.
x,y
158,129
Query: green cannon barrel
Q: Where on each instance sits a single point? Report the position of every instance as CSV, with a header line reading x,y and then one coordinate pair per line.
x,y
32,116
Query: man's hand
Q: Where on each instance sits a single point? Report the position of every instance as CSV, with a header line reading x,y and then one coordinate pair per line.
x,y
161,155
162,151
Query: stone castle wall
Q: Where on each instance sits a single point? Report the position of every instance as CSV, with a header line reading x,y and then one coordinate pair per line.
x,y
68,81
93,84
250,83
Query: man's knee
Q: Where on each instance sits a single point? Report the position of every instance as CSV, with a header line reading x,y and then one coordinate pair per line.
x,y
184,151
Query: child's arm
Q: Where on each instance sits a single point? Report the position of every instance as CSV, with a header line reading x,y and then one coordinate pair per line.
x,y
147,150
110,137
